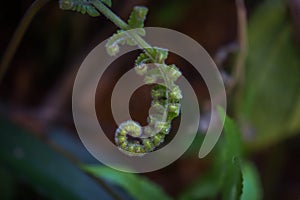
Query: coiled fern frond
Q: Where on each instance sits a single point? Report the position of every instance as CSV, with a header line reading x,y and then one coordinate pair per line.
x,y
136,20
130,137
82,6
119,38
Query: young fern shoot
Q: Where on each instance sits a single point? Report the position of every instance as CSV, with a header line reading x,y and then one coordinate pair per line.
x,y
130,137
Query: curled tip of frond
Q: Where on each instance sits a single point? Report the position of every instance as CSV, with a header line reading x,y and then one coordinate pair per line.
x,y
82,6
119,38
66,4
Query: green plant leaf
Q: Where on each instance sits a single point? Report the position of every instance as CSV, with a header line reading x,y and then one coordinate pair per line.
x,y
232,180
47,171
225,175
233,137
251,184
137,17
142,59
137,186
271,100
231,150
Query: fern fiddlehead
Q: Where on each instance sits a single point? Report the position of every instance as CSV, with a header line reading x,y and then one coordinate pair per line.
x,y
165,106
82,6
130,137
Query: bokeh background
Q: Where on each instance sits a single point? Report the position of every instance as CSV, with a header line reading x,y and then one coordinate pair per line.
x,y
40,152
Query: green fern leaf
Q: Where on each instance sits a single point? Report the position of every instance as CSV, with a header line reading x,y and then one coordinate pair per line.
x,y
119,38
142,59
82,6
137,17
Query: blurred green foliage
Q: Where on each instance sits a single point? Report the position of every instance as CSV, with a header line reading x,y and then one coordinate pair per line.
x,y
138,187
51,174
252,188
225,177
271,101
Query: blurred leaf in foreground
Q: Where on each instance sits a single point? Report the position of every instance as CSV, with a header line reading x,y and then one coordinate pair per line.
x,y
252,188
225,176
137,186
7,184
271,101
231,151
44,169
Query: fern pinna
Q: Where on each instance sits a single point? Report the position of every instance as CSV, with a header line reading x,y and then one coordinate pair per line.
x,y
130,137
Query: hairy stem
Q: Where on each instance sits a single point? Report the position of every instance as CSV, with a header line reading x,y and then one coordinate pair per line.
x,y
18,35
124,26
110,15
140,42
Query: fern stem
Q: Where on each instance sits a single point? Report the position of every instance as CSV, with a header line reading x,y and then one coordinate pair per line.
x,y
18,35
120,23
110,15
124,26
